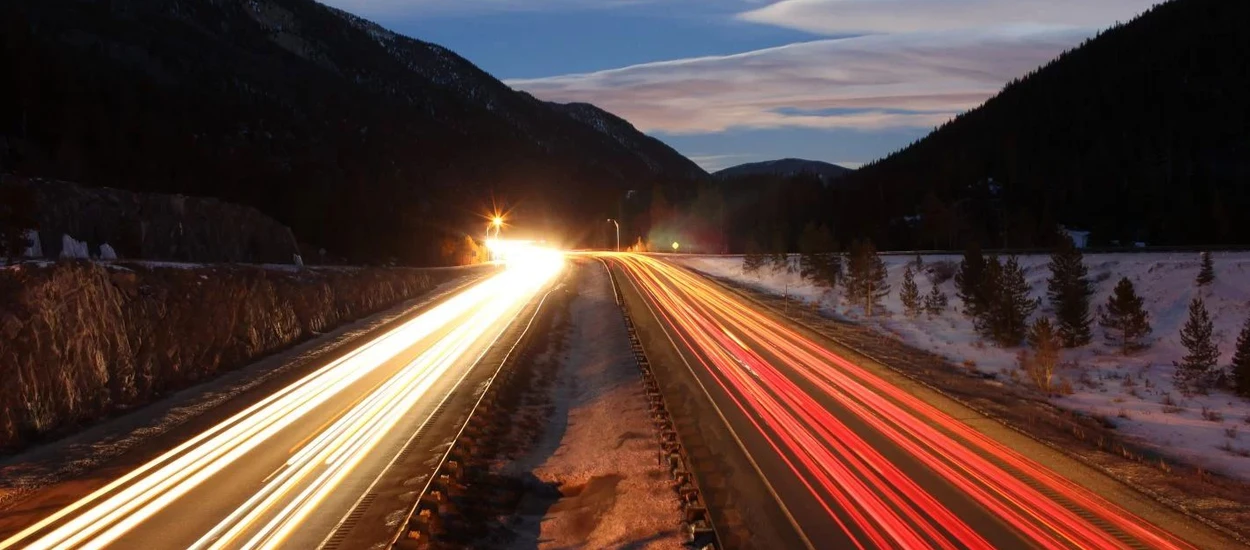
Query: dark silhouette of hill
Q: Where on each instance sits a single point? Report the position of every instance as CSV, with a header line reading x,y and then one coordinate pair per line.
x,y
368,143
1140,134
784,167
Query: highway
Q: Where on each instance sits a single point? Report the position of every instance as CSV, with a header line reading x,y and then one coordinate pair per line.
x,y
855,461
288,469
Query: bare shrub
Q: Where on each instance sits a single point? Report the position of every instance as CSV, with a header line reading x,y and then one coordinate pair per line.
x,y
1064,387
1169,405
1211,415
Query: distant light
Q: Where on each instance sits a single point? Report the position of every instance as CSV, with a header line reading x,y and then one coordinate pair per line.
x,y
676,246
498,221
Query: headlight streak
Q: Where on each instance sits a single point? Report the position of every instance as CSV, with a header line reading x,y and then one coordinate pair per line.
x,y
108,513
885,507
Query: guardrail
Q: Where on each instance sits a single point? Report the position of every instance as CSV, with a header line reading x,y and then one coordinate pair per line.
x,y
1011,251
698,522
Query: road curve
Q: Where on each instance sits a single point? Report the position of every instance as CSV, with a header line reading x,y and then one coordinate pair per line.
x,y
285,471
858,462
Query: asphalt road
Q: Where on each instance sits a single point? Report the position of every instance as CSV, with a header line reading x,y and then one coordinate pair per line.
x,y
854,461
287,470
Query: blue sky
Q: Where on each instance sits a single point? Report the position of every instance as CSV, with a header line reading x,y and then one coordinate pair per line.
x,y
732,81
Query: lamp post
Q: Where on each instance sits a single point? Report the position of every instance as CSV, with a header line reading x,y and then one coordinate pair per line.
x,y
618,234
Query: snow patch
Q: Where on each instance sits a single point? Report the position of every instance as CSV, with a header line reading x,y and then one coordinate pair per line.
x,y
107,252
1134,392
35,250
73,249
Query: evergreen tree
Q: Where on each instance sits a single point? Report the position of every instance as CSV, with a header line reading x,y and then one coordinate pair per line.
x,y
1125,319
985,296
1198,369
866,277
969,279
780,259
909,294
919,262
817,260
935,301
1009,312
1069,290
1241,362
755,258
1206,273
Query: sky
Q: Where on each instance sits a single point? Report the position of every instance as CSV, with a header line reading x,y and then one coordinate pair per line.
x,y
732,81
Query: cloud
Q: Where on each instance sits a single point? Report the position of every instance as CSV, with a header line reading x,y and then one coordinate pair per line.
x,y
386,8
869,82
840,17
712,163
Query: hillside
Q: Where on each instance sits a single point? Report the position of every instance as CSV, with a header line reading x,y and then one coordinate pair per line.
x,y
368,143
784,167
1140,134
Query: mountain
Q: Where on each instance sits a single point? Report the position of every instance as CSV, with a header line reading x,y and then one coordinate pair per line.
x,y
1140,134
368,143
784,167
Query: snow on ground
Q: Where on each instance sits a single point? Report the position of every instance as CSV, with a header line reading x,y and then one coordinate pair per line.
x,y
1135,392
614,493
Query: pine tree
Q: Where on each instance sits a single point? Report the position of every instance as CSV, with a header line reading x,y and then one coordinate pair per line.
x,y
817,260
1009,312
1045,343
1125,319
935,301
780,259
909,294
1241,362
1069,290
969,279
1198,369
919,262
866,277
985,296
1206,273
754,259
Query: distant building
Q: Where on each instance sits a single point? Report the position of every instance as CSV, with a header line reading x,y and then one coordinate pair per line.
x,y
1079,238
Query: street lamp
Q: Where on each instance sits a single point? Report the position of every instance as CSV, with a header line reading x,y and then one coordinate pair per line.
x,y
618,234
497,223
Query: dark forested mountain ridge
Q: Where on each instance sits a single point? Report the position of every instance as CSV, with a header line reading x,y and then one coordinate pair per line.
x,y
784,167
366,142
1140,134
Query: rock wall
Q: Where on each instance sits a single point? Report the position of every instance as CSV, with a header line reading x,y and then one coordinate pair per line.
x,y
155,226
80,340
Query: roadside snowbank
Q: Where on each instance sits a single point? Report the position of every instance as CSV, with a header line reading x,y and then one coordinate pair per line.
x,y
1136,392
614,493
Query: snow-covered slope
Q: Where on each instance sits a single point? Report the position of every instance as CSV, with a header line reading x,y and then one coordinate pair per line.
x,y
1133,392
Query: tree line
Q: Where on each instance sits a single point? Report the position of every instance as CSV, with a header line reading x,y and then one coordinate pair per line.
x,y
996,298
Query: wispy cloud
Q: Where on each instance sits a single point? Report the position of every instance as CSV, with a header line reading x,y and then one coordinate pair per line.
x,y
384,8
869,82
840,17
712,163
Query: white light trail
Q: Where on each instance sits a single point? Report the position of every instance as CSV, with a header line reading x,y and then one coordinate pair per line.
x,y
109,513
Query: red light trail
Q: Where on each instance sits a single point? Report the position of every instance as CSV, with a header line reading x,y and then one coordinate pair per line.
x,y
844,432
